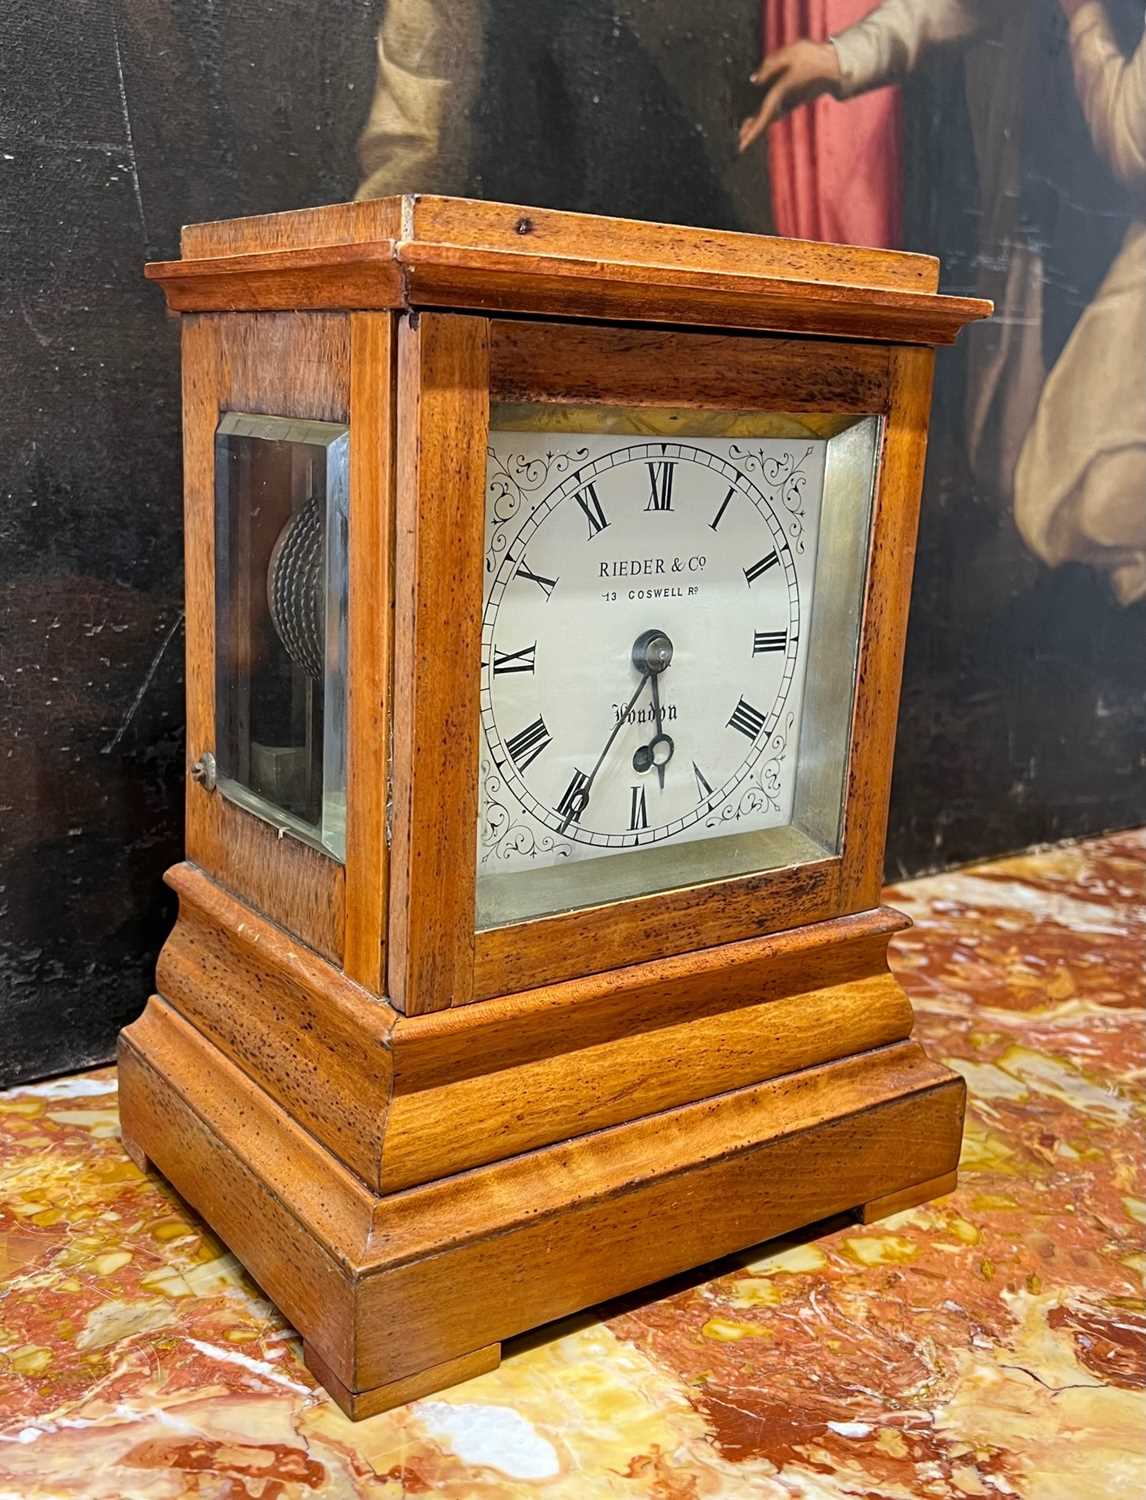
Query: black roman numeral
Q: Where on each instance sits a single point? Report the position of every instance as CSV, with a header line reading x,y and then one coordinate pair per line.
x,y
660,485
748,720
588,500
546,585
528,743
573,798
757,568
638,813
715,522
514,661
702,786
769,640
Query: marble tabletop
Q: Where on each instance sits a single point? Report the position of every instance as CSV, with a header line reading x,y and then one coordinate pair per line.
x,y
990,1343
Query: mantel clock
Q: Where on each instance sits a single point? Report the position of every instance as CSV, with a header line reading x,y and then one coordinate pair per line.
x,y
547,579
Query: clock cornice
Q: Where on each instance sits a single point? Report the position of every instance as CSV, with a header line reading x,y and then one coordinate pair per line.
x,y
420,252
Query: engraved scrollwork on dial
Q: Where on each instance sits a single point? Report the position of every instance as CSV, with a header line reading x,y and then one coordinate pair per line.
x,y
503,836
762,792
786,477
512,479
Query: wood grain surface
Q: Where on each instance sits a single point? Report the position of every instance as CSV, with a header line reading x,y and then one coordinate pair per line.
x,y
370,633
288,365
469,1121
883,631
477,224
189,1111
908,1197
473,223
477,1083
514,282
318,1043
443,419
462,254
544,1262
336,278
387,1288
523,955
642,367
297,229
593,1008
401,1100
361,1404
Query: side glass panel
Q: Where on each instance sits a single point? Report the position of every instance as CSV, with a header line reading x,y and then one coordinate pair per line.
x,y
280,622
738,544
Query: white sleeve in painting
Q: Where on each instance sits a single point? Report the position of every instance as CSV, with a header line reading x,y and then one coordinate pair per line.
x,y
1112,91
1080,484
888,43
429,67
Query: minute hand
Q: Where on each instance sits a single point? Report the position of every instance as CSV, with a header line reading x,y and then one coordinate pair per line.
x,y
579,801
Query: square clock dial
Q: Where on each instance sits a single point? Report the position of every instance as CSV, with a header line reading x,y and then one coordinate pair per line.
x,y
647,638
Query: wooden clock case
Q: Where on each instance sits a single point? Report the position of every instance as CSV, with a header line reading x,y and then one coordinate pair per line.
x,y
421,1139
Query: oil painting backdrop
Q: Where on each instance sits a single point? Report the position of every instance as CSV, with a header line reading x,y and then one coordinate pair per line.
x,y
1024,714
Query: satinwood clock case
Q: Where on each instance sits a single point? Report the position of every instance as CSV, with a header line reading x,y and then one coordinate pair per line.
x,y
421,1138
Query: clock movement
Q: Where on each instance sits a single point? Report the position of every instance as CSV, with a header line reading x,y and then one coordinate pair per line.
x,y
547,582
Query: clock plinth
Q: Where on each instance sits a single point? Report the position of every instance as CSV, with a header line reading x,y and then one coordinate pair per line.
x,y
402,1292
468,1023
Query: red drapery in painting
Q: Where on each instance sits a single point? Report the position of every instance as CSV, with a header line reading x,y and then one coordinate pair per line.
x,y
835,168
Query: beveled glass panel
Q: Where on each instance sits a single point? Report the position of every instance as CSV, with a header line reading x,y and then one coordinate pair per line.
x,y
280,622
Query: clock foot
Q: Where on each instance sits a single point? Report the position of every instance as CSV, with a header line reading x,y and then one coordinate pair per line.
x,y
135,1153
908,1197
380,1398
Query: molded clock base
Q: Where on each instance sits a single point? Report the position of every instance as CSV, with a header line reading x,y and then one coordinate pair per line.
x,y
400,1294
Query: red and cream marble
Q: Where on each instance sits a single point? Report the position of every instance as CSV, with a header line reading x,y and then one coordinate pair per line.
x,y
992,1343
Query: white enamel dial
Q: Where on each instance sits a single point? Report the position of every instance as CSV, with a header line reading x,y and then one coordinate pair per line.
x,y
643,640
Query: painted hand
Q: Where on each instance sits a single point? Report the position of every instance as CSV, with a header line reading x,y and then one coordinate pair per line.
x,y
790,76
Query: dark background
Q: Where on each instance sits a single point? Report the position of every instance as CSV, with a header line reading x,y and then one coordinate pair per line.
x,y
1023,713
